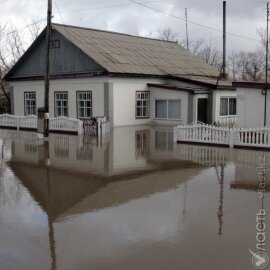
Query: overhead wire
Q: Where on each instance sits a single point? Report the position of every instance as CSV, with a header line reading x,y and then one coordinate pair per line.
x,y
192,22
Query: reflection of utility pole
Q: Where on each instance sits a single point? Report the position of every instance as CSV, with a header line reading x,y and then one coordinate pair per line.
x,y
221,198
50,206
185,203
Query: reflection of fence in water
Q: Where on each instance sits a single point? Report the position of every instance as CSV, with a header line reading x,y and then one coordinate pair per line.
x,y
204,155
211,156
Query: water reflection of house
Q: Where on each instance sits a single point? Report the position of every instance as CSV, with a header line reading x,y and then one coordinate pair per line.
x,y
83,175
247,170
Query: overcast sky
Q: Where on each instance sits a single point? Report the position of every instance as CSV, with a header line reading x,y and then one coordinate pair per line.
x,y
244,17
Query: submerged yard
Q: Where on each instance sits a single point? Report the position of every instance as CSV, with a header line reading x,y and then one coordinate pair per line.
x,y
134,200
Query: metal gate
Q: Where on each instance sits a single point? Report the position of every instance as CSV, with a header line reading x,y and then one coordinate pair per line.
x,y
90,127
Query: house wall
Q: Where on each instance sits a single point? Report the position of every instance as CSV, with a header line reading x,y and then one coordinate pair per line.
x,y
116,98
124,100
96,85
250,108
157,93
217,94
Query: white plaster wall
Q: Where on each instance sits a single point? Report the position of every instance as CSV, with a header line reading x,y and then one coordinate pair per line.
x,y
96,85
124,100
157,93
250,108
216,103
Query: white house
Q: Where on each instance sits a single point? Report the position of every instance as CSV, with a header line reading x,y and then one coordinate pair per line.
x,y
132,80
251,104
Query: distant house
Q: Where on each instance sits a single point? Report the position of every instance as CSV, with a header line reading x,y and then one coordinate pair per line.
x,y
250,104
133,80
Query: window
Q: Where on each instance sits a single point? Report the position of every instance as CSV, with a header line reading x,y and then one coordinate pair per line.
x,y
61,104
142,105
227,106
84,104
55,44
29,103
168,109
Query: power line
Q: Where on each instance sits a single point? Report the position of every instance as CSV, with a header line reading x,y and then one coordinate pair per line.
x,y
59,11
26,26
192,22
104,7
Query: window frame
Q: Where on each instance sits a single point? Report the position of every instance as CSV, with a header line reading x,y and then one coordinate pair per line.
x,y
136,107
167,108
228,108
30,92
77,107
60,92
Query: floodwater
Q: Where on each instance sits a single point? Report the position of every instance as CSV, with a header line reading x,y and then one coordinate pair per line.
x,y
134,200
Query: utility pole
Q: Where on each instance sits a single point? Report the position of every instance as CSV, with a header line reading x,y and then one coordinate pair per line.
x,y
224,75
186,15
47,74
266,65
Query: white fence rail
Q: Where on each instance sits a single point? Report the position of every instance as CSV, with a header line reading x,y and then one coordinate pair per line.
x,y
66,124
206,134
30,122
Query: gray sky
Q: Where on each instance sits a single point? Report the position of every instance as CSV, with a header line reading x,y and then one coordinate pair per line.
x,y
244,17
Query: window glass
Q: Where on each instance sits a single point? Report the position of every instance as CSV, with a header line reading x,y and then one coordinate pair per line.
x,y
168,109
142,105
161,108
84,104
227,106
174,109
30,103
232,106
61,104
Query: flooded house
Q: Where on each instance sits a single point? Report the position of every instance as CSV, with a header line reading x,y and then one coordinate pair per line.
x,y
133,80
251,104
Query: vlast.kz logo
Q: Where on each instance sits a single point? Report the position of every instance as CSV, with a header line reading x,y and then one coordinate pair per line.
x,y
260,260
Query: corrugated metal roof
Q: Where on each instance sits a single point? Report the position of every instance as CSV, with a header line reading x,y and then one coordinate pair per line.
x,y
207,80
122,53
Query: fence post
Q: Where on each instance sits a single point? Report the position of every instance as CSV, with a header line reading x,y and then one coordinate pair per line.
x,y
18,123
175,134
80,127
231,136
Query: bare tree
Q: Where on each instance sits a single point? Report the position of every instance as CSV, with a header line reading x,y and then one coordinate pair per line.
x,y
168,34
35,28
210,54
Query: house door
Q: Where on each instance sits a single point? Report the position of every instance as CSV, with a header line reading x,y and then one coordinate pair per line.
x,y
202,110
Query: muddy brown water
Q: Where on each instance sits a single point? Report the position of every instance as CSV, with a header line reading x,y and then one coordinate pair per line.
x,y
134,200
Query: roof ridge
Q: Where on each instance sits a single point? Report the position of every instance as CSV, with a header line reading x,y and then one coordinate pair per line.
x,y
112,32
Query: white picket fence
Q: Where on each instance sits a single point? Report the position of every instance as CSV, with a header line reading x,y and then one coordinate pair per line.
x,y
207,134
66,124
30,122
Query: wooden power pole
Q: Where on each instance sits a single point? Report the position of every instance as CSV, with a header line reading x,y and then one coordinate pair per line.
x,y
186,15
47,73
224,75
